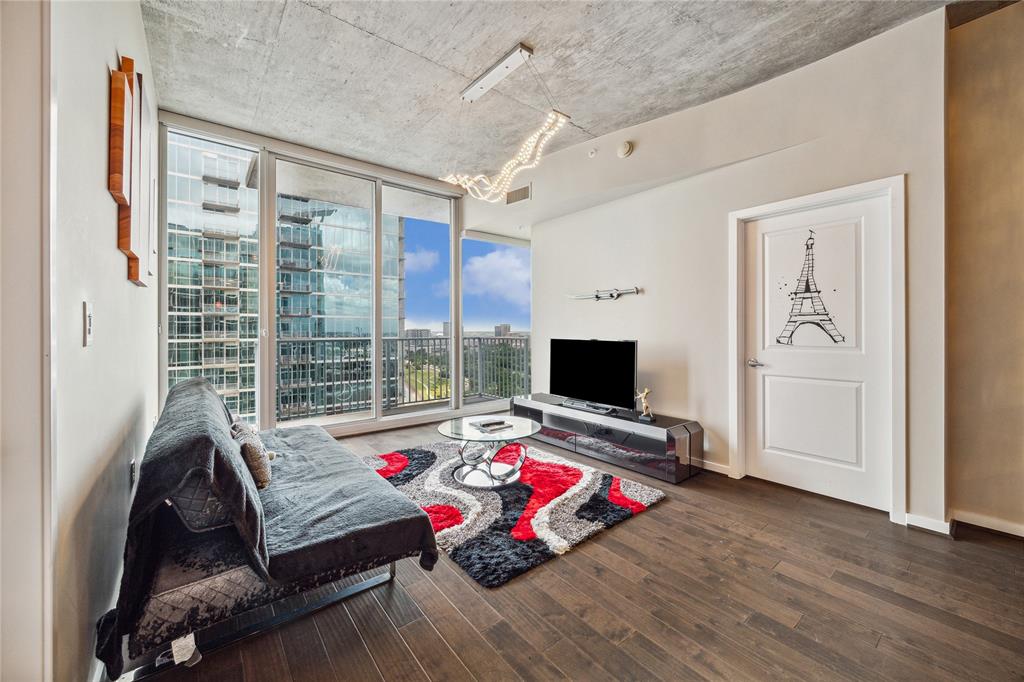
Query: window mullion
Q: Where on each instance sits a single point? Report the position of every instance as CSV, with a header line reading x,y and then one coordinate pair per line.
x,y
266,383
378,299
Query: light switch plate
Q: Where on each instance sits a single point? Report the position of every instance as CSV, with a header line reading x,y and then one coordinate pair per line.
x,y
86,323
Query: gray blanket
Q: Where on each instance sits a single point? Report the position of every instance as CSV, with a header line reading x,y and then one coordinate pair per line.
x,y
327,514
192,437
327,509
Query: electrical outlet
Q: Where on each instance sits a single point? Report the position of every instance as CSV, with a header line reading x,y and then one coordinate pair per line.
x,y
86,323
131,474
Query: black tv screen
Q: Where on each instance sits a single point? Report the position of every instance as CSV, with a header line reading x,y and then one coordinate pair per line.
x,y
596,371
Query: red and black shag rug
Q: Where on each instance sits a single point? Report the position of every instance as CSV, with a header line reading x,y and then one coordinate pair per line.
x,y
495,535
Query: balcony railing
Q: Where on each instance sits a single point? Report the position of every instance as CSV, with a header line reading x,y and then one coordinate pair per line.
x,y
295,263
220,282
222,361
209,334
221,231
416,371
221,256
295,287
220,308
319,377
495,367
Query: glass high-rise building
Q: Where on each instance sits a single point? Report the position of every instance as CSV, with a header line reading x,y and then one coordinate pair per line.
x,y
324,290
213,268
325,305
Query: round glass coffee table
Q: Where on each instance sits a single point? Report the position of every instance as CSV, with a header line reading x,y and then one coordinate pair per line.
x,y
478,448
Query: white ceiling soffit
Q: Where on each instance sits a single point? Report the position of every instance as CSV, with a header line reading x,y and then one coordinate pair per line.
x,y
380,81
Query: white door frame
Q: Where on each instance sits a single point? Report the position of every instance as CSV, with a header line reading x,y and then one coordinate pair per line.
x,y
892,188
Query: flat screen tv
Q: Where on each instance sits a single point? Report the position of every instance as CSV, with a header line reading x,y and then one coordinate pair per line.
x,y
601,372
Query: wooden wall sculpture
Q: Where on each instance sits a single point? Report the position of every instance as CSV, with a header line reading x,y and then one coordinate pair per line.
x,y
120,137
125,180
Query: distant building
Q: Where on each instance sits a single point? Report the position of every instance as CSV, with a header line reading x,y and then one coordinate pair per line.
x,y
418,333
446,330
502,329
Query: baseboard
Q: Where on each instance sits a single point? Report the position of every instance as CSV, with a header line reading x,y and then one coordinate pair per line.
x,y
990,522
926,523
714,466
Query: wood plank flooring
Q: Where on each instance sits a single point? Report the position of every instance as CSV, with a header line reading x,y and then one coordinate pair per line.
x,y
723,580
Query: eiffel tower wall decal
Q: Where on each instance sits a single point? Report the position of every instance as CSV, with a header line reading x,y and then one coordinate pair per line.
x,y
807,306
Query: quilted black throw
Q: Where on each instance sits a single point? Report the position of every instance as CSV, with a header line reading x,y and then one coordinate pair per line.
x,y
192,439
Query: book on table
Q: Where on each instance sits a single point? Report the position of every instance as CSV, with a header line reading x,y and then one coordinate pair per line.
x,y
491,425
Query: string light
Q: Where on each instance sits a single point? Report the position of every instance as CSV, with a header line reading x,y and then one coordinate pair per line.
x,y
494,189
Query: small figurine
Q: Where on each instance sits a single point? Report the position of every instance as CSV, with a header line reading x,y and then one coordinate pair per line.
x,y
646,415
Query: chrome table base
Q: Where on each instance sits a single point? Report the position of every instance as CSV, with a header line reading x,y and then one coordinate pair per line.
x,y
479,470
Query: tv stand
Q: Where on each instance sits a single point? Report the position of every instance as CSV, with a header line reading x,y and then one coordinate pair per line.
x,y
671,449
597,408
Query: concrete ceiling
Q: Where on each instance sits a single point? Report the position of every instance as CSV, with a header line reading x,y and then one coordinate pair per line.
x,y
380,81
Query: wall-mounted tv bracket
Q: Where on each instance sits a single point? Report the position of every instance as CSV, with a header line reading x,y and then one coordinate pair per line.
x,y
605,294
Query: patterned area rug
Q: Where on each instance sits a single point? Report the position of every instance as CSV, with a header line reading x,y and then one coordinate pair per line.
x,y
495,535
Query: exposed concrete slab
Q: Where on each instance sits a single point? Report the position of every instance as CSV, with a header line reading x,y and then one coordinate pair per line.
x,y
380,81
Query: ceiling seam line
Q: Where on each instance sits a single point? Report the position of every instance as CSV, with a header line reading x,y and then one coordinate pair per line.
x,y
429,60
266,68
383,39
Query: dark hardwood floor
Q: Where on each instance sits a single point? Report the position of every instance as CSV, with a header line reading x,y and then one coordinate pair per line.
x,y
722,580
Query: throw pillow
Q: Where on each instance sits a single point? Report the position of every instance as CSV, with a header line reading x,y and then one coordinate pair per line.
x,y
254,453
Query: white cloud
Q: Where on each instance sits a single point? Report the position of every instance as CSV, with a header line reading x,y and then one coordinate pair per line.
x,y
432,325
420,260
442,288
502,274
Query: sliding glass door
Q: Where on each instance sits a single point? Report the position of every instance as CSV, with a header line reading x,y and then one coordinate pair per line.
x,y
417,303
324,302
307,292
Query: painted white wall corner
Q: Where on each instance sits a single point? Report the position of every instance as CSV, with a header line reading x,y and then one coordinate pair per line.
x,y
926,523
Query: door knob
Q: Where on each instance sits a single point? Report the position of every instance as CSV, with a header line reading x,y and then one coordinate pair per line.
x,y
753,362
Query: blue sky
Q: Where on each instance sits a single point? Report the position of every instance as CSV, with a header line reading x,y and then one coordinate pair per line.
x,y
495,280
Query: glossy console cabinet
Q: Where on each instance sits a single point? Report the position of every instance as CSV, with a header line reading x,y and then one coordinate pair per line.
x,y
671,449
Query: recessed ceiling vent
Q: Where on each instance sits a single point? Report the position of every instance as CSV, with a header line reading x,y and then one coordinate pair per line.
x,y
520,194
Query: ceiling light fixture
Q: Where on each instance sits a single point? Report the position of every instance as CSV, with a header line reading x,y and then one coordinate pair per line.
x,y
512,60
494,189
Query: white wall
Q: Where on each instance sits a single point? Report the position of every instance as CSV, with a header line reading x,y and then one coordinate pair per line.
x,y
871,111
23,362
106,394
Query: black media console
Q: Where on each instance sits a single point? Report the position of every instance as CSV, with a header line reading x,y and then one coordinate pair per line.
x,y
671,449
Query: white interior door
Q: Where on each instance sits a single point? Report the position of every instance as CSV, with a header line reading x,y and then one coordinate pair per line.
x,y
819,407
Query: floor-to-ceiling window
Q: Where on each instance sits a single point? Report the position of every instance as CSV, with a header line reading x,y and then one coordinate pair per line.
x,y
315,291
495,320
212,266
